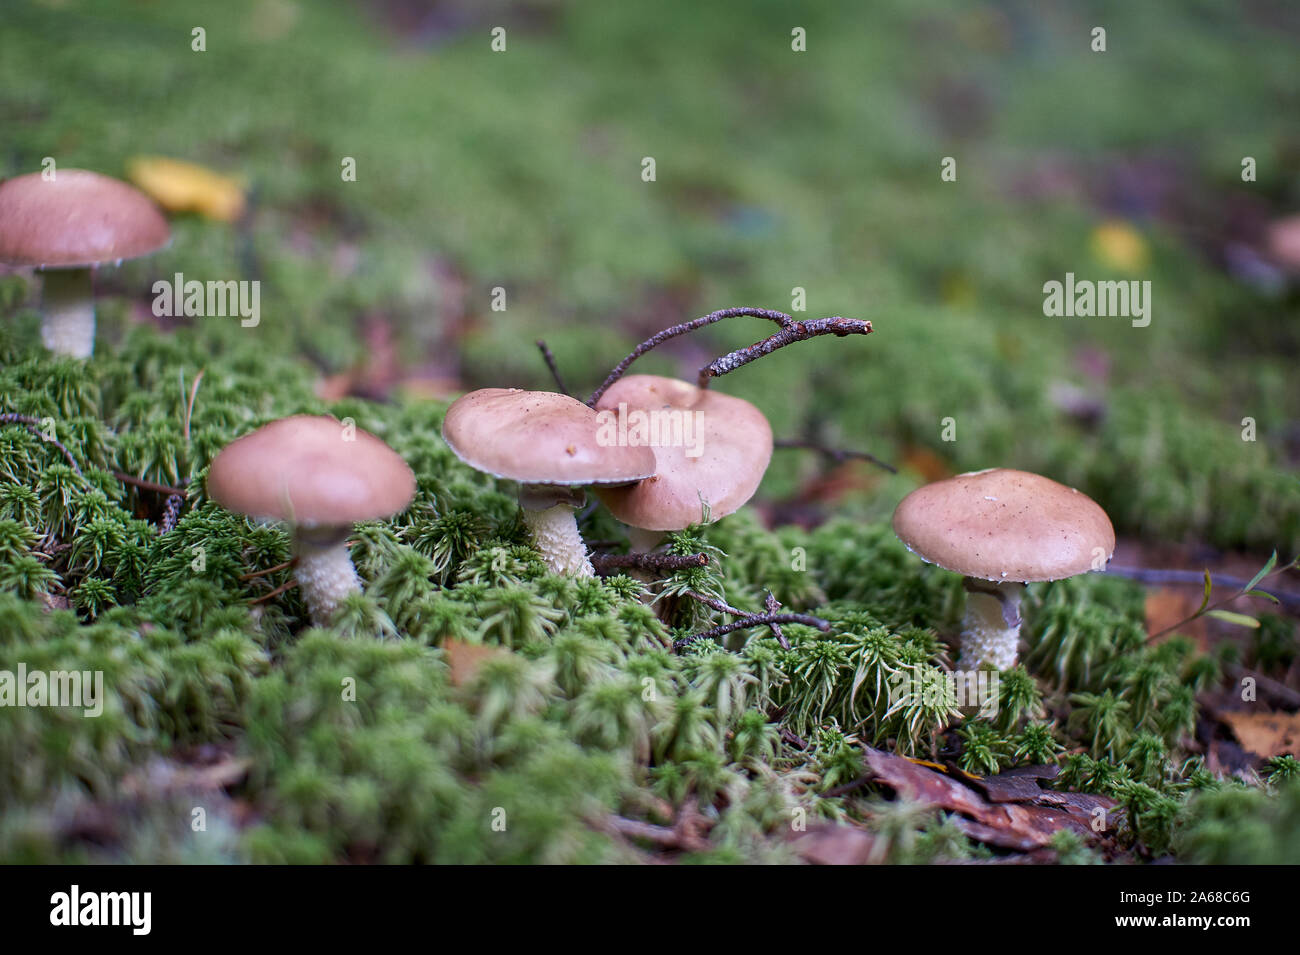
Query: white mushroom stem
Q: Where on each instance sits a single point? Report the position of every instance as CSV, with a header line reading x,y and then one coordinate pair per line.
x,y
991,628
325,575
555,533
644,541
68,312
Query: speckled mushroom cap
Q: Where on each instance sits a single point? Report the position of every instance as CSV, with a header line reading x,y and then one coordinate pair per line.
x,y
1005,525
304,470
736,444
538,437
75,220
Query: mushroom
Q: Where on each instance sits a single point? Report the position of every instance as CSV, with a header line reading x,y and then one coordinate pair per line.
x,y
1002,529
66,226
717,450
549,443
321,476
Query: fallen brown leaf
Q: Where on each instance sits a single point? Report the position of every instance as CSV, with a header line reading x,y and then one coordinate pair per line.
x,y
926,463
1010,824
831,844
1265,733
1168,606
464,659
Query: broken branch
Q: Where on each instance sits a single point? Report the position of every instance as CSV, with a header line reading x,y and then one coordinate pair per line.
x,y
758,620
148,485
659,338
33,425
608,562
788,335
838,455
550,363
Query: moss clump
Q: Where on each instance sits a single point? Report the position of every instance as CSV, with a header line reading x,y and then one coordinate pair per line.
x,y
365,743
1234,824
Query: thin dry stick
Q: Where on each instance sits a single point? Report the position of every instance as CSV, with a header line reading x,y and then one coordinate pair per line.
x,y
772,607
718,605
253,574
839,455
1144,575
33,425
849,787
758,620
287,585
555,369
798,332
659,338
604,562
148,485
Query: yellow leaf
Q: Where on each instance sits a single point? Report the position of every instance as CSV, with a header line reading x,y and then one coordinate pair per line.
x,y
1120,246
180,186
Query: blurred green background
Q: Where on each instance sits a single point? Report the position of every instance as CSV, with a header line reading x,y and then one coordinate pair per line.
x,y
775,169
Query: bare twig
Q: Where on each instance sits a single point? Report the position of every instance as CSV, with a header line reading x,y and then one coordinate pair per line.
x,y
684,328
848,787
839,455
1144,575
287,585
148,485
253,574
32,424
610,562
798,332
550,363
772,607
717,605
757,620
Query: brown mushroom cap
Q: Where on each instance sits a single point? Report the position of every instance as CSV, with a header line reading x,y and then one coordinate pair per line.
x,y
538,437
76,220
1005,525
303,470
737,445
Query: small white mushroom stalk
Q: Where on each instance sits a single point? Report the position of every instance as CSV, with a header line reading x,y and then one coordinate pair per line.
x,y
555,534
550,515
325,574
991,627
554,446
68,313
